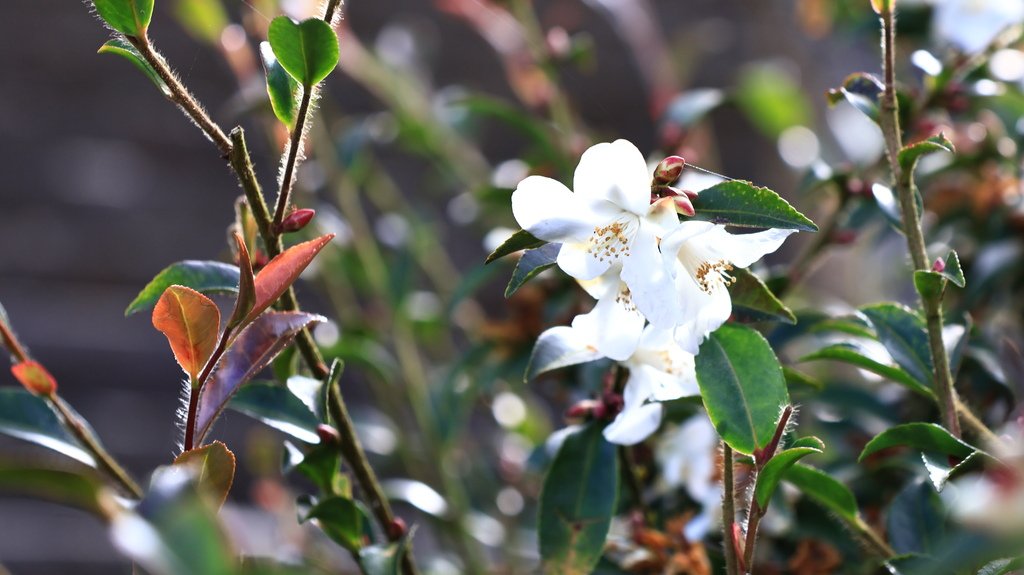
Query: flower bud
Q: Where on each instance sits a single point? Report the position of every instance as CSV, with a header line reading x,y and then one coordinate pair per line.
x,y
939,266
582,410
558,43
397,528
668,170
684,206
296,220
328,435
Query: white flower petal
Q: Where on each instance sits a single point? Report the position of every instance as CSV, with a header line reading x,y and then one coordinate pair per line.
x,y
643,271
702,312
741,250
616,172
548,210
576,260
613,325
634,424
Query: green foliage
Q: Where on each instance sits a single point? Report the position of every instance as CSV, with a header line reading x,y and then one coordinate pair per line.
x,y
752,299
308,50
851,353
202,276
521,240
863,91
917,520
31,418
213,467
384,559
342,520
281,87
902,332
124,49
923,436
129,17
773,471
57,486
204,19
276,406
824,489
744,204
577,502
532,263
742,385
909,155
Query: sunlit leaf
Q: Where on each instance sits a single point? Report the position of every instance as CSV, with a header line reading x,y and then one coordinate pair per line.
x,y
29,417
34,377
557,347
281,87
521,240
128,52
851,353
902,332
57,486
307,50
863,91
827,491
577,502
276,406
282,271
129,17
191,323
252,351
319,464
532,263
341,520
909,155
769,477
742,385
213,466
751,298
744,204
923,436
941,468
204,277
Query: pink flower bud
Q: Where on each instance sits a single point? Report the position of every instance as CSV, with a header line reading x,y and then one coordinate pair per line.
x,y
296,220
668,170
328,435
684,206
559,43
397,528
939,266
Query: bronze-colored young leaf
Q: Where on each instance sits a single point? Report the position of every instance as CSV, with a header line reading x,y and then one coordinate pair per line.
x,y
34,377
246,285
191,322
278,275
214,467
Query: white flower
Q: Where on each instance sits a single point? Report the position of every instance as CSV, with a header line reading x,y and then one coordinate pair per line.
x,y
688,457
971,25
607,224
700,256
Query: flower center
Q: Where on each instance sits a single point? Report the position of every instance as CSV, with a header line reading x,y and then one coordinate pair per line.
x,y
625,298
711,275
610,242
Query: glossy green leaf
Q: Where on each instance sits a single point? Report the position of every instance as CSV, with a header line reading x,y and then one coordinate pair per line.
x,y
742,385
923,436
127,51
902,332
319,464
751,298
809,441
863,91
281,87
744,204
532,263
384,559
940,469
917,520
1003,567
929,284
953,272
769,477
213,466
29,417
909,155
521,240
129,17
203,276
341,520
577,502
256,346
57,486
822,488
851,353
308,50
557,347
276,406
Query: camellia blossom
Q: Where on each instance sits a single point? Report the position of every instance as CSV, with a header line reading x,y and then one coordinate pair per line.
x,y
699,257
607,223
971,25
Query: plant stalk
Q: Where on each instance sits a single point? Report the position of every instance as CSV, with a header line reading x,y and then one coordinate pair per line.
x,y
729,512
292,158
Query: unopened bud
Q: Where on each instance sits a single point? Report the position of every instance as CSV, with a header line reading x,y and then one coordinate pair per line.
x,y
668,170
684,206
939,266
582,410
397,529
328,435
296,220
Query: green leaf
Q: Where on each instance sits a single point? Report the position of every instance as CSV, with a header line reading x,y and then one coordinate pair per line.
x,y
341,520
863,91
281,87
917,520
902,332
319,464
929,284
29,417
769,477
940,470
308,51
923,436
909,155
521,240
1002,567
744,204
203,276
557,347
276,406
822,488
532,263
752,298
809,441
384,559
127,51
850,352
63,487
213,466
577,502
129,17
742,385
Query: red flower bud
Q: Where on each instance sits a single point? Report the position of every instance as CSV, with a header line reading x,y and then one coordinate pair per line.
x,y
328,435
668,170
684,206
397,528
296,220
939,266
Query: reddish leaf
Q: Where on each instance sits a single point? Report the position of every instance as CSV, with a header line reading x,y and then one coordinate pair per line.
x,y
246,285
34,377
254,349
191,322
282,271
214,467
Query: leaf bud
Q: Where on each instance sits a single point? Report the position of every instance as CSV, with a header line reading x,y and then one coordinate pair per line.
x,y
328,435
397,529
296,220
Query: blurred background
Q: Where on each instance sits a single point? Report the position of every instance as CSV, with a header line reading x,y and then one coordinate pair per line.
x,y
438,110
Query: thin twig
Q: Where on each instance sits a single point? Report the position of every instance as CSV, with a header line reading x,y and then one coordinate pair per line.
x,y
292,159
729,512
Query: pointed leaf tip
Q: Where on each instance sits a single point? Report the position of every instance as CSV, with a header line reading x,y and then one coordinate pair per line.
x,y
191,322
129,17
277,276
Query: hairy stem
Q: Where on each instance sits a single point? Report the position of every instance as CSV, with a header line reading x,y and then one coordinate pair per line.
x,y
872,539
753,521
197,386
729,512
103,458
292,158
904,184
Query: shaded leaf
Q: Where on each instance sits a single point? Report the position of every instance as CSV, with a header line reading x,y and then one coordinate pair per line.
x,y
863,91
953,272
129,17
769,477
827,491
341,520
742,385
63,487
277,276
909,155
319,464
929,284
744,204
902,332
940,470
203,276
577,502
557,347
281,88
532,263
252,351
34,377
849,352
752,298
276,406
917,520
128,52
191,323
213,466
308,50
384,559
923,436
521,240
31,418
246,298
